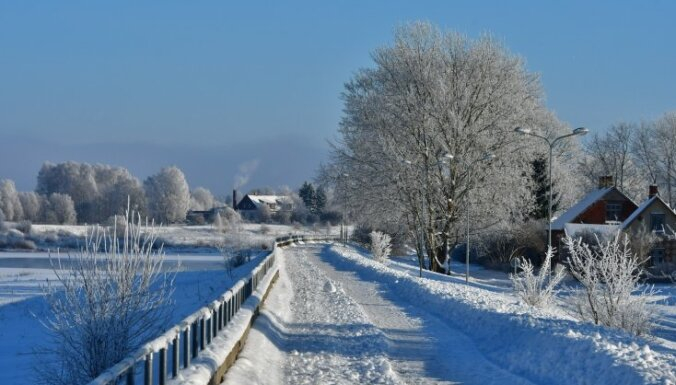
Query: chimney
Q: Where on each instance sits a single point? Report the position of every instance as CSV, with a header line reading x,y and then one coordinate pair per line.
x,y
652,191
606,181
234,199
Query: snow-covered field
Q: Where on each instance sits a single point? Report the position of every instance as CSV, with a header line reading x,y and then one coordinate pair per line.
x,y
336,316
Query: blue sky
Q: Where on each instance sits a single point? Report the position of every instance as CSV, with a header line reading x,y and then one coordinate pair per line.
x,y
214,77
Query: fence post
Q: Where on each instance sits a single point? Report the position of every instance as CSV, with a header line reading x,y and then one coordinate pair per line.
x,y
175,356
195,338
148,372
131,380
163,366
203,333
214,323
186,347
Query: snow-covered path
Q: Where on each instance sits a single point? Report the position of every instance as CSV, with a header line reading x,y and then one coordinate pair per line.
x,y
325,324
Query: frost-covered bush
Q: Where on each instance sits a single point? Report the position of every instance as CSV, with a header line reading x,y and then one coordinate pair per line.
x,y
112,297
25,227
611,294
381,246
537,289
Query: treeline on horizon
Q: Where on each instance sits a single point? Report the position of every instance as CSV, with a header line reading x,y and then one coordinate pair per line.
x,y
72,192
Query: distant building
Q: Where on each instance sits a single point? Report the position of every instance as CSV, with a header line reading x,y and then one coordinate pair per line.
x,y
255,207
200,217
607,210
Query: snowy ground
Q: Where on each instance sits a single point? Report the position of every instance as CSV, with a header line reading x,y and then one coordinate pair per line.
x,y
22,304
338,317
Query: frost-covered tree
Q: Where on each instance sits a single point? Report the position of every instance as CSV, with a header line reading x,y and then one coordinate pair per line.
x,y
611,293
31,204
168,195
381,245
610,153
201,199
113,297
541,189
74,179
431,95
98,191
58,209
10,204
117,187
654,148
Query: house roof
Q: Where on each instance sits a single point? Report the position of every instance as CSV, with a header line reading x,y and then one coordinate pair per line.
x,y
644,205
269,199
580,207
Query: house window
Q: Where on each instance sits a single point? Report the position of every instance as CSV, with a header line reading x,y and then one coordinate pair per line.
x,y
613,211
657,222
657,257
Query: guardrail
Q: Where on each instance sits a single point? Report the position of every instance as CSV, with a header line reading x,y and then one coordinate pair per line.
x,y
175,349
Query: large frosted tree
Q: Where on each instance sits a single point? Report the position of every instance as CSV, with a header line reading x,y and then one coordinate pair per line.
x,y
432,95
168,195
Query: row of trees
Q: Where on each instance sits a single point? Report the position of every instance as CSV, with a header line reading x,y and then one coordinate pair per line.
x,y
636,155
71,192
428,132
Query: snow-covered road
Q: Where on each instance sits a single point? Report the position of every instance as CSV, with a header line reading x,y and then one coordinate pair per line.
x,y
324,324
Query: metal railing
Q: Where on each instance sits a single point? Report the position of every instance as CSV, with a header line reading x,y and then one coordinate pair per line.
x,y
175,349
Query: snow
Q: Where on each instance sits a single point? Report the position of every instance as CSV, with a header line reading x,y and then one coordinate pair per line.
x,y
573,229
478,333
22,305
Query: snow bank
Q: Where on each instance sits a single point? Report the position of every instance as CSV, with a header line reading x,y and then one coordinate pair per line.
x,y
539,345
203,368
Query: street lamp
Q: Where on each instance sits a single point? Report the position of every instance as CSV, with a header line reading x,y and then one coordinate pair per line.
x,y
343,227
551,143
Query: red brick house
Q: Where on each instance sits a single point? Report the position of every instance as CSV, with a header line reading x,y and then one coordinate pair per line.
x,y
607,210
602,210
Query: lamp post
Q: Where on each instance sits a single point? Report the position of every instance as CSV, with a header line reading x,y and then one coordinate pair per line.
x,y
551,143
343,227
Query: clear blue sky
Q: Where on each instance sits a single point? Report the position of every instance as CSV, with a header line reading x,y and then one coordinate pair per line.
x,y
189,75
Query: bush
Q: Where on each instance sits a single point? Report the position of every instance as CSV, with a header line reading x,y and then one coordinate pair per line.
x,y
25,227
107,305
537,289
381,246
361,234
528,240
609,274
264,229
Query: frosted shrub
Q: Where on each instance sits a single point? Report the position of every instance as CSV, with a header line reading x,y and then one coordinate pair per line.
x,y
537,289
381,245
112,297
609,274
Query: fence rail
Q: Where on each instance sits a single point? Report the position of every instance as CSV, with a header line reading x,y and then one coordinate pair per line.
x,y
182,343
